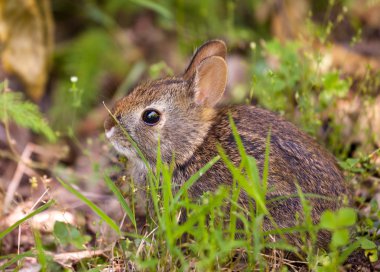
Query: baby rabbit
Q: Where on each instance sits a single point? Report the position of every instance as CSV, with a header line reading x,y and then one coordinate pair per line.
x,y
182,112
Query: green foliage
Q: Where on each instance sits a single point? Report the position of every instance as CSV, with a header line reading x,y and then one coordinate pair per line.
x,y
159,8
24,113
290,78
68,234
339,224
345,217
361,165
193,16
370,248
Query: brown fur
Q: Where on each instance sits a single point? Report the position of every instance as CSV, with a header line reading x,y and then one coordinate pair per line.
x,y
190,129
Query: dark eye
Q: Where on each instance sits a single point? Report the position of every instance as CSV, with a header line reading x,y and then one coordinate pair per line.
x,y
151,117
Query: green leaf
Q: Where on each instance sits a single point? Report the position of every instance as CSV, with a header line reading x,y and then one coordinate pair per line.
x,y
345,217
68,234
333,86
61,232
24,113
350,164
340,238
365,243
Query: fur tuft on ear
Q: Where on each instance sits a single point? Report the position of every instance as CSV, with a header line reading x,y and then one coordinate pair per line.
x,y
210,81
209,49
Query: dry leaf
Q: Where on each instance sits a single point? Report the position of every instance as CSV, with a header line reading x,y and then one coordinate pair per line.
x,y
26,35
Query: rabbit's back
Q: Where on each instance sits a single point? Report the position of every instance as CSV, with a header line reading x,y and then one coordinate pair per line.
x,y
295,158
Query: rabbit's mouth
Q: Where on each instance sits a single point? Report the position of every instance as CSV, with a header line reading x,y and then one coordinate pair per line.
x,y
110,132
123,147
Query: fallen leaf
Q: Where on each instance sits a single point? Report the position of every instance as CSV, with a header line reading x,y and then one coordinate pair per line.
x,y
26,35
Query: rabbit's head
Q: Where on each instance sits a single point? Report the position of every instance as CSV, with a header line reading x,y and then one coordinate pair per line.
x,y
174,112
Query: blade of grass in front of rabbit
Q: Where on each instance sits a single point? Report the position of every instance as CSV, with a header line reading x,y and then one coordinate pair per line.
x,y
258,189
194,178
111,185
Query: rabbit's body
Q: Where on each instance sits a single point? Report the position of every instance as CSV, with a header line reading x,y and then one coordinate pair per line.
x,y
181,113
295,158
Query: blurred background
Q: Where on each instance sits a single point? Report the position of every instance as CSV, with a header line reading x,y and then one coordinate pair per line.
x,y
315,62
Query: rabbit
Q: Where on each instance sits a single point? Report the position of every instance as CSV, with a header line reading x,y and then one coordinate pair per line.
x,y
183,114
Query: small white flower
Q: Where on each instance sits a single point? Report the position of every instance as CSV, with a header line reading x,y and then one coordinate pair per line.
x,y
73,79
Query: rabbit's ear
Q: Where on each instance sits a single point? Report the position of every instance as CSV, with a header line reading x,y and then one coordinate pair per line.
x,y
210,81
209,49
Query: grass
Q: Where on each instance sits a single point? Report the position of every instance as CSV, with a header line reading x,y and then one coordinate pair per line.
x,y
22,220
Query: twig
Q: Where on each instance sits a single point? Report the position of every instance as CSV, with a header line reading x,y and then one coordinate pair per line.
x,y
15,182
143,241
25,165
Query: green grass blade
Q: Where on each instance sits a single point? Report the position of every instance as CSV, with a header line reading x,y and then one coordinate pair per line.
x,y
266,164
22,220
15,258
41,256
346,253
251,184
239,142
121,200
243,182
194,178
234,199
91,205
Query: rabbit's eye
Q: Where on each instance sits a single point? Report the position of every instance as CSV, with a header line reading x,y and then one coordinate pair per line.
x,y
151,117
